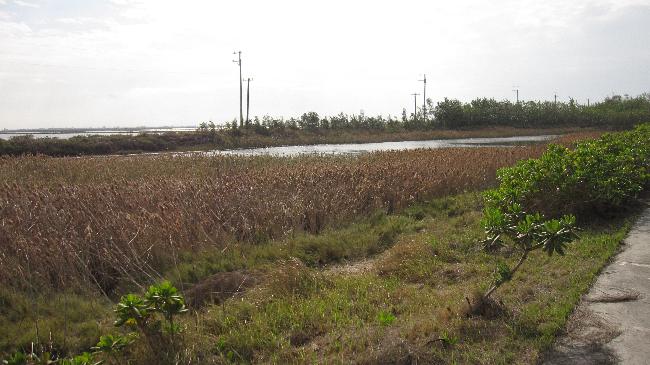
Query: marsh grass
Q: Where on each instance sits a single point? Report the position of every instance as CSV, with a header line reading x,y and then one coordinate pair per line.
x,y
107,221
409,306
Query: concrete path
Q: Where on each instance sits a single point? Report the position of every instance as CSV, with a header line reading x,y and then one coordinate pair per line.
x,y
612,323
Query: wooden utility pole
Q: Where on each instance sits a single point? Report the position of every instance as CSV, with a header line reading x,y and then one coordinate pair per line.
x,y
424,103
248,98
241,107
415,106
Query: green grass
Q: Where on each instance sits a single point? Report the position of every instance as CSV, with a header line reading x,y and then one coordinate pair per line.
x,y
408,305
58,322
422,282
360,239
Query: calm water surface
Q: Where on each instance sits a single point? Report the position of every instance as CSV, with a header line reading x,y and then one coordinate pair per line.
x,y
357,148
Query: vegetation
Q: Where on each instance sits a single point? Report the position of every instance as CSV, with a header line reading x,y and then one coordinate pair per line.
x,y
529,233
109,220
600,176
335,313
478,118
614,112
312,259
608,173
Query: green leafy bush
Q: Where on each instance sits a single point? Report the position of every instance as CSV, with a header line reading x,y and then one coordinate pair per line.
x,y
597,176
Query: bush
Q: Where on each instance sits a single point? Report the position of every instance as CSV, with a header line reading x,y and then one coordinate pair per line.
x,y
598,176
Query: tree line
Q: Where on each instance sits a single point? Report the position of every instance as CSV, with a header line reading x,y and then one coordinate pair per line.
x,y
614,112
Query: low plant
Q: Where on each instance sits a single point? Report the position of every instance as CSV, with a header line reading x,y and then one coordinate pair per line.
x,y
386,318
448,339
20,358
111,345
84,359
525,233
141,313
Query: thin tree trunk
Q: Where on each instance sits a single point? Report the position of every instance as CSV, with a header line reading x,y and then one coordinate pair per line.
x,y
512,273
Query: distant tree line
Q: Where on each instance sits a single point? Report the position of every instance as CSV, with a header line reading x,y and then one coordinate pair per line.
x,y
614,113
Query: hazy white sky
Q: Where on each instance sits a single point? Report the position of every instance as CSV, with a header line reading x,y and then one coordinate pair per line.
x,y
77,63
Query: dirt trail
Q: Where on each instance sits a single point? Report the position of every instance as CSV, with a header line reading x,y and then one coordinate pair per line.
x,y
612,323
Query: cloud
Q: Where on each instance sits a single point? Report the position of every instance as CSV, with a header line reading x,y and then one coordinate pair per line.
x,y
167,63
14,29
26,4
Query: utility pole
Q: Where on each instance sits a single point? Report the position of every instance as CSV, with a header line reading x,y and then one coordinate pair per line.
x,y
587,102
424,103
516,89
241,108
415,106
248,98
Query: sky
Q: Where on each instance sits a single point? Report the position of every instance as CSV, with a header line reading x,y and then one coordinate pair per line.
x,y
95,63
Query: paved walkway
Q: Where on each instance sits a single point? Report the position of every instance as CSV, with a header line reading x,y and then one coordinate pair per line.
x,y
612,323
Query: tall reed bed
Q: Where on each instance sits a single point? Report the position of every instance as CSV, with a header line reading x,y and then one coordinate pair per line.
x,y
107,220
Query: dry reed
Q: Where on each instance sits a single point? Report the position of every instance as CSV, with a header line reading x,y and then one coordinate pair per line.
x,y
102,220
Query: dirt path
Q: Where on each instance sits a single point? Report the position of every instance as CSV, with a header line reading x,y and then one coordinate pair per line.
x,y
612,323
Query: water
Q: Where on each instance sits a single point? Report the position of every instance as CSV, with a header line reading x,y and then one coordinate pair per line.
x,y
102,132
358,148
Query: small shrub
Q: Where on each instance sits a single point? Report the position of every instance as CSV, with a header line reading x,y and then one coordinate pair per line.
x,y
527,232
140,313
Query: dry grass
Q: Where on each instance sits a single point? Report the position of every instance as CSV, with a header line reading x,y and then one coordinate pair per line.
x,y
104,220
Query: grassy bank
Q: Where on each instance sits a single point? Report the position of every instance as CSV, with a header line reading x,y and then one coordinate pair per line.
x,y
243,138
386,289
408,303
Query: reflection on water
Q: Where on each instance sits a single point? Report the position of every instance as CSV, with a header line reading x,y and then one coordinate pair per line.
x,y
356,148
